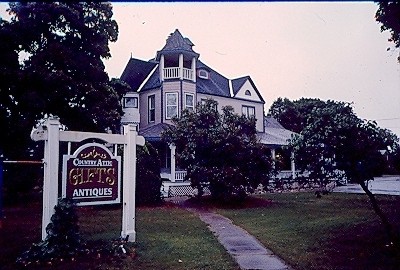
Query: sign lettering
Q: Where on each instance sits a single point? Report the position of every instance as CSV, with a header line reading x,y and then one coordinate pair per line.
x,y
92,175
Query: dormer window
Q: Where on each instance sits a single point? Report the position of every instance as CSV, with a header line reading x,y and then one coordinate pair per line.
x,y
247,93
203,74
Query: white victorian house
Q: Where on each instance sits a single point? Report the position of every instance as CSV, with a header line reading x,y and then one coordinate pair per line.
x,y
176,79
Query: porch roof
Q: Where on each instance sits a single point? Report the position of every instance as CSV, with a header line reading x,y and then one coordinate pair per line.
x,y
153,133
274,134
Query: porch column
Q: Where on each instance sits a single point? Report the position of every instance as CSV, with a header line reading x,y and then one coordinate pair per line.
x,y
194,69
162,68
273,154
293,165
181,66
173,169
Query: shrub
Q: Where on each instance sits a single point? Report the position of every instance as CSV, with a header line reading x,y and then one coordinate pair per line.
x,y
62,240
148,180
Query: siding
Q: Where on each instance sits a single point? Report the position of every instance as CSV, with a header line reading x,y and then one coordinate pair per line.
x,y
144,122
237,107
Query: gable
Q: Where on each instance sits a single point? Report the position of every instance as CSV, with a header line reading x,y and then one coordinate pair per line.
x,y
243,88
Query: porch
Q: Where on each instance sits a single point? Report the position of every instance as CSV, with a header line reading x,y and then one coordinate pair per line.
x,y
179,175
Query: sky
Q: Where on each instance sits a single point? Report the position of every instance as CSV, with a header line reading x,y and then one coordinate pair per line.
x,y
325,50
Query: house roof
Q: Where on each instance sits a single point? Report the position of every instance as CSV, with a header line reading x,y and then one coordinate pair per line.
x,y
238,83
144,75
136,71
177,43
153,81
216,84
274,134
153,133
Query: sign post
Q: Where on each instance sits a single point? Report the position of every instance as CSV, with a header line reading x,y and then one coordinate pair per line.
x,y
92,174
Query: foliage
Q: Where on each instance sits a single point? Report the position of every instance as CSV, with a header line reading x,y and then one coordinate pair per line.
x,y
335,143
221,150
54,53
62,240
52,64
294,115
148,181
388,14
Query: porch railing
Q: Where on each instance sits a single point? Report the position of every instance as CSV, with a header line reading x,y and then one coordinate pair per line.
x,y
187,74
173,73
180,175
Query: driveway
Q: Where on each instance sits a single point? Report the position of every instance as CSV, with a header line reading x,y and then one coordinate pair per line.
x,y
389,185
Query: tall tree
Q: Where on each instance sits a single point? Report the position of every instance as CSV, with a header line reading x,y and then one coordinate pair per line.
x,y
388,14
220,150
294,115
55,52
336,143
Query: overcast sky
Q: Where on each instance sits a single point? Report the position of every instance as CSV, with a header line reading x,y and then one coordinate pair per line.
x,y
328,50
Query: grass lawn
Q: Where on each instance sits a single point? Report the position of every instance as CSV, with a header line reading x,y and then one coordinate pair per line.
x,y
167,238
337,231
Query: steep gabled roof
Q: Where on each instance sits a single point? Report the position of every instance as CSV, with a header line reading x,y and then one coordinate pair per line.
x,y
136,71
153,81
238,83
177,43
216,84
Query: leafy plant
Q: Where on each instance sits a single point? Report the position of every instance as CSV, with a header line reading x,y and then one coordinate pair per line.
x,y
62,240
220,150
148,181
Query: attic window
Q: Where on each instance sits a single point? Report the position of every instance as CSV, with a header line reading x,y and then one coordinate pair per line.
x,y
203,74
247,93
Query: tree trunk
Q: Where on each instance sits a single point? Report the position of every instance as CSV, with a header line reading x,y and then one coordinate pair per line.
x,y
385,221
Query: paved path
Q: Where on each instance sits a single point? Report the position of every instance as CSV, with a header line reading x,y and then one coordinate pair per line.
x,y
243,247
389,185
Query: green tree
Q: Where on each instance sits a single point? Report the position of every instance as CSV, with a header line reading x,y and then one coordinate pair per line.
x,y
220,150
294,115
336,143
148,180
388,14
54,66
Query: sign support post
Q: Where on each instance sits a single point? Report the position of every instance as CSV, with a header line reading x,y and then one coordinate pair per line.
x,y
129,184
51,162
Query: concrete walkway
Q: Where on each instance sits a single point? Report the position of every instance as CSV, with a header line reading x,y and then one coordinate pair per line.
x,y
389,185
243,247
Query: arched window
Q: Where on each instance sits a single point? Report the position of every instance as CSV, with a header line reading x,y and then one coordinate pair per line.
x,y
247,93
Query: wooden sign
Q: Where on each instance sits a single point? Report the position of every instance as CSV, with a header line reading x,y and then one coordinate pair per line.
x,y
92,175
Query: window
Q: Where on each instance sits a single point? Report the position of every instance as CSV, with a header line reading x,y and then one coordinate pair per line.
x,y
152,108
131,102
203,74
189,102
248,111
203,102
171,105
247,93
